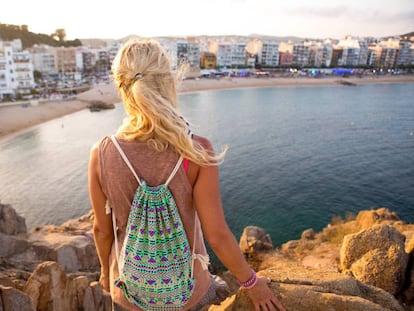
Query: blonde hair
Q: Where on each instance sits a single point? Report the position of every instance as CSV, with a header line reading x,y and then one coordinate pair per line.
x,y
142,74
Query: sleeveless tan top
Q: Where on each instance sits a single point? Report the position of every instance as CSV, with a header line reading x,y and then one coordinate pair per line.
x,y
119,185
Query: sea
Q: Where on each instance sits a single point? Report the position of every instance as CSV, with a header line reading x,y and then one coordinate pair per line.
x,y
297,157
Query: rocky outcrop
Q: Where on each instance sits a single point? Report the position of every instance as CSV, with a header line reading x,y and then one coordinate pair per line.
x,y
52,289
12,299
98,105
376,256
10,222
56,267
302,288
254,239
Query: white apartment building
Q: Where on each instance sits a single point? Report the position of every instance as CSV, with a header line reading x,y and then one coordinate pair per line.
x,y
406,53
7,80
363,52
229,54
320,53
44,59
23,68
16,70
386,53
355,51
269,54
301,54
350,52
188,52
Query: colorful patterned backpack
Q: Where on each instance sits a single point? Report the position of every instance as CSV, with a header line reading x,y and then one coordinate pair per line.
x,y
155,262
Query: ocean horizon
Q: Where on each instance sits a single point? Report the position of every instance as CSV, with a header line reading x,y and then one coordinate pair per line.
x,y
297,157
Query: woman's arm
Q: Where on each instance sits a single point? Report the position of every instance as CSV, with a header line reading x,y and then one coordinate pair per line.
x,y
102,226
208,204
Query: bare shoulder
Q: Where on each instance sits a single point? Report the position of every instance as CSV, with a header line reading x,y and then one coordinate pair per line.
x,y
204,142
95,147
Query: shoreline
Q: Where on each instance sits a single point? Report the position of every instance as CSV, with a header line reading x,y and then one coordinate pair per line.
x,y
17,118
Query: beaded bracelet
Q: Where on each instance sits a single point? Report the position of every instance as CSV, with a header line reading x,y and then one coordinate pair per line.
x,y
250,282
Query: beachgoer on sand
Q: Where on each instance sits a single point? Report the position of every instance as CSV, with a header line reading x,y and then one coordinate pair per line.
x,y
154,137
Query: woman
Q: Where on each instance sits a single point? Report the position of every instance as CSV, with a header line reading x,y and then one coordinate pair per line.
x,y
154,136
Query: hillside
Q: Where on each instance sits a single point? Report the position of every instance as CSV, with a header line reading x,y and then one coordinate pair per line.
x,y
11,32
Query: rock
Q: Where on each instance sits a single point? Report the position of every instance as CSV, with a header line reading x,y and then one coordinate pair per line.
x,y
10,222
74,251
50,289
308,234
81,284
289,246
302,289
98,105
12,299
367,219
11,244
254,239
408,293
102,300
376,256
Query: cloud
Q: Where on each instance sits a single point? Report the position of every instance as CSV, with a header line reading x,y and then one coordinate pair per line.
x,y
318,12
370,16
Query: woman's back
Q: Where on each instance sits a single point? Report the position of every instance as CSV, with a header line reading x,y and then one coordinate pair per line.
x,y
119,185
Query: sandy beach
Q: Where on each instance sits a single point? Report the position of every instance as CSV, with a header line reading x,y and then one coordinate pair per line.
x,y
15,117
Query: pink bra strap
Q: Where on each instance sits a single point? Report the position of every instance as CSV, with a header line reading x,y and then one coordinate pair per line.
x,y
185,164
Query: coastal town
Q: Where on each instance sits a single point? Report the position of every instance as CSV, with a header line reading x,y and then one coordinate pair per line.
x,y
42,71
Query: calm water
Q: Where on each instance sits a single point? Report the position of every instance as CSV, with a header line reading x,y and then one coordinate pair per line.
x,y
298,156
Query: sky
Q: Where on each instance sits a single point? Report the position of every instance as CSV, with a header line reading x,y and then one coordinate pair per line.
x,y
85,19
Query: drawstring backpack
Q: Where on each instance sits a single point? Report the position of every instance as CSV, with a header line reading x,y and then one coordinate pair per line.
x,y
155,262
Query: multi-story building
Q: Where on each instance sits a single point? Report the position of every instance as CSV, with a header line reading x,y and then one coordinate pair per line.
x,y
354,52
23,68
300,54
89,61
386,53
336,59
44,59
16,70
269,54
363,52
66,63
286,53
350,52
7,80
406,53
229,54
266,53
320,53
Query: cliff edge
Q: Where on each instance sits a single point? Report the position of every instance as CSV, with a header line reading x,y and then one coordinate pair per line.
x,y
361,263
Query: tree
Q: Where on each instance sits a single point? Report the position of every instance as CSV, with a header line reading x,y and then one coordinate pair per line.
x,y
60,35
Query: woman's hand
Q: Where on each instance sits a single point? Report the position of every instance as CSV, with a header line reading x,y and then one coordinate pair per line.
x,y
262,297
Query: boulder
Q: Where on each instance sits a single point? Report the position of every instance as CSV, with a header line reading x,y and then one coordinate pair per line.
x,y
254,239
10,222
302,288
12,299
367,219
50,289
12,244
308,234
376,256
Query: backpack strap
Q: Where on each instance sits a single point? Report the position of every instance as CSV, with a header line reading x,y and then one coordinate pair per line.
x,y
128,163
175,170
